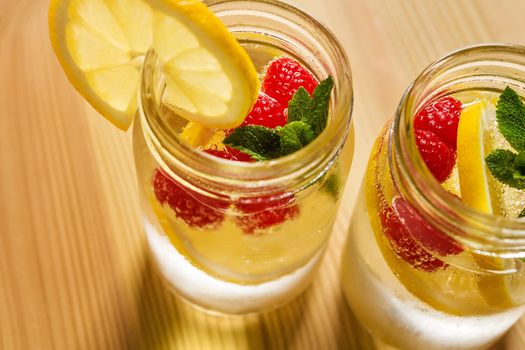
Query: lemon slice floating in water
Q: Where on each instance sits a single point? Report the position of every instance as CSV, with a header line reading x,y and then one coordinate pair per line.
x,y
101,45
200,137
473,177
475,192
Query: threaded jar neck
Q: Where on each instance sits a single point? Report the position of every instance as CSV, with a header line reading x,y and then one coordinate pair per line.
x,y
273,25
488,67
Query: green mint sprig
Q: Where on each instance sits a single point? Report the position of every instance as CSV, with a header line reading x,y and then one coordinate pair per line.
x,y
307,118
260,142
502,165
510,114
507,166
294,136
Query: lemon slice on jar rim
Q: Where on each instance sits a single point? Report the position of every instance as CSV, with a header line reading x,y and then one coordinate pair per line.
x,y
101,45
476,193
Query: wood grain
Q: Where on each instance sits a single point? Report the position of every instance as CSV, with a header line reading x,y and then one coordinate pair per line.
x,y
75,272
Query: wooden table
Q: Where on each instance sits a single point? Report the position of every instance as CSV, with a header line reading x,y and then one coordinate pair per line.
x,y
74,268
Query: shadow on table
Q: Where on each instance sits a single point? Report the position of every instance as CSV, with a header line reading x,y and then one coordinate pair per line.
x,y
166,321
364,340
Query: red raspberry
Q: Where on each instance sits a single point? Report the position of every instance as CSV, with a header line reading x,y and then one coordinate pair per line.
x,y
266,111
432,238
437,155
260,212
401,240
284,76
193,208
442,118
404,245
263,212
231,154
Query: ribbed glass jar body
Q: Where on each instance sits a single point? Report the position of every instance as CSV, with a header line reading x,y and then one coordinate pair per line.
x,y
245,237
433,273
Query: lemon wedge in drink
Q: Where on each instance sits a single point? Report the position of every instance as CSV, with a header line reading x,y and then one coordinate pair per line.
x,y
201,137
101,45
473,177
475,192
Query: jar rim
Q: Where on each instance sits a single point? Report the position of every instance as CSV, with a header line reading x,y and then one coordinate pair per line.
x,y
486,233
272,173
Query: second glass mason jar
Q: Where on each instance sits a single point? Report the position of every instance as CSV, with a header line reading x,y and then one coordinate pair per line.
x,y
422,270
245,237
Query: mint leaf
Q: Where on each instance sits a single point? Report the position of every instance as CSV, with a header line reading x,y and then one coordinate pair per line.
x,y
300,106
307,118
522,214
321,96
259,142
312,110
331,185
501,164
519,162
294,136
510,114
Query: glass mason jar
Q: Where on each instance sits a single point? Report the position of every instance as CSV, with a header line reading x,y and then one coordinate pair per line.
x,y
421,270
238,237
